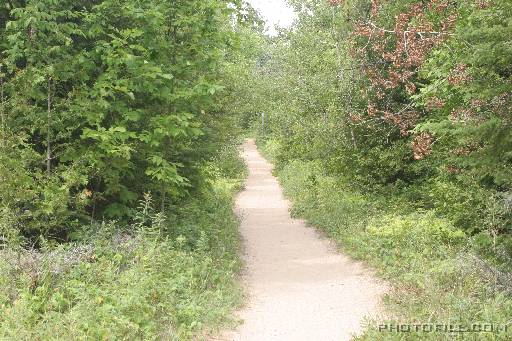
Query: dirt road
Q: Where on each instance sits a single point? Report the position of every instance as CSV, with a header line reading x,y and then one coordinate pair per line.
x,y
299,287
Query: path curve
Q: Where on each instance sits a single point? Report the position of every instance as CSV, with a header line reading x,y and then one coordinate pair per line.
x,y
299,287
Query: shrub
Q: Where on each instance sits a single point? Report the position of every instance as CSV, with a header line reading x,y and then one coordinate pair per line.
x,y
160,277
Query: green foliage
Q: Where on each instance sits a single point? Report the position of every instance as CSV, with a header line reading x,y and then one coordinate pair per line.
x,y
121,110
161,278
427,123
474,120
108,100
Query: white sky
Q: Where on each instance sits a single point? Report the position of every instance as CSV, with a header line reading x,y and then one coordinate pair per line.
x,y
274,12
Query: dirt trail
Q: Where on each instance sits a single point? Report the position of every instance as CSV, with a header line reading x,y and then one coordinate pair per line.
x,y
299,287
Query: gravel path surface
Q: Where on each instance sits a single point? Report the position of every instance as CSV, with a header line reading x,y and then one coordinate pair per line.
x,y
299,286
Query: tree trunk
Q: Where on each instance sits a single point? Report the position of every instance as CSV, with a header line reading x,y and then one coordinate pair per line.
x,y
48,130
354,142
341,71
163,203
2,110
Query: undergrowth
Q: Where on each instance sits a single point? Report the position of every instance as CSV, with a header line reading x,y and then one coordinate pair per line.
x,y
163,277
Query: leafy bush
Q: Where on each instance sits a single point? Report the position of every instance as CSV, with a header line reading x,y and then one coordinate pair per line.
x,y
103,101
405,97
158,278
126,285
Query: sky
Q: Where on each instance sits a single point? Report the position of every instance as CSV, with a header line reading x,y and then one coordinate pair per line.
x,y
274,12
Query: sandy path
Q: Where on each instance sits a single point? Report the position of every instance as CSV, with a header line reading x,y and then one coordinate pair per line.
x,y
299,287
